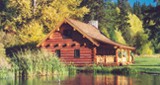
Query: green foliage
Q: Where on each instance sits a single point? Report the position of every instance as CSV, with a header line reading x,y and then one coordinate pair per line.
x,y
119,36
110,22
31,19
125,71
31,32
137,9
30,63
147,49
9,40
151,23
119,24
135,25
4,61
123,18
72,69
143,45
54,11
5,65
96,7
27,21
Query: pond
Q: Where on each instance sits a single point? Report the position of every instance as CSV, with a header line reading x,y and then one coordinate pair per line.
x,y
87,79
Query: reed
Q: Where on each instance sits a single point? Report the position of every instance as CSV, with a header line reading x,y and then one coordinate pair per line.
x,y
36,62
72,69
6,73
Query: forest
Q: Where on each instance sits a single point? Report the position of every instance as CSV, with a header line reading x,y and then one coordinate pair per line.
x,y
24,23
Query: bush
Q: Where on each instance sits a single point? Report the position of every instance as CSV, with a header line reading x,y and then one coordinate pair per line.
x,y
3,59
9,39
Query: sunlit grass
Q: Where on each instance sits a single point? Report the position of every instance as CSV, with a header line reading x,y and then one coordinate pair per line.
x,y
147,64
147,61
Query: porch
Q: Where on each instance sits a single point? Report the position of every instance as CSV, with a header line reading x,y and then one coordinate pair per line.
x,y
104,59
111,60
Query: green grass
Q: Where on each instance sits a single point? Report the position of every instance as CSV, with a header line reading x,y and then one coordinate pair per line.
x,y
147,61
147,64
141,64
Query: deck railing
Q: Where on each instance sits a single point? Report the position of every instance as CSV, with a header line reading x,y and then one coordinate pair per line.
x,y
105,59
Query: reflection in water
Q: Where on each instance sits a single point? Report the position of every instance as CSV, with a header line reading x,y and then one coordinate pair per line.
x,y
86,79
89,79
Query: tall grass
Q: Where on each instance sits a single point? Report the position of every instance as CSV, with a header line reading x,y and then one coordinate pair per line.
x,y
72,69
37,62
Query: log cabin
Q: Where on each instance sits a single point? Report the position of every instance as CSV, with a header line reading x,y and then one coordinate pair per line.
x,y
83,44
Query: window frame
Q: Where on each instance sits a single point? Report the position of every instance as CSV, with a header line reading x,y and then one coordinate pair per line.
x,y
58,53
77,53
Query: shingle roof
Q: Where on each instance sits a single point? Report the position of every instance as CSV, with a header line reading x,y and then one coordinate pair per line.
x,y
95,34
92,33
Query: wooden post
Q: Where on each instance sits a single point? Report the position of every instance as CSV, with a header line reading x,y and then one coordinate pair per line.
x,y
51,45
129,57
121,53
116,59
59,44
68,44
94,55
58,29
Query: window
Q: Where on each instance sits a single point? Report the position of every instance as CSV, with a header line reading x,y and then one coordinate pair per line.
x,y
67,33
58,53
77,53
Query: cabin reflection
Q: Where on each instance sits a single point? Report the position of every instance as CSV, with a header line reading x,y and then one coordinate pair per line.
x,y
90,79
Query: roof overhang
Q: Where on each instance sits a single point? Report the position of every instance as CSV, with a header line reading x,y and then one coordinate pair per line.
x,y
75,28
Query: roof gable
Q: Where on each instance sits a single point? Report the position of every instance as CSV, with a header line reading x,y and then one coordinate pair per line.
x,y
75,27
88,31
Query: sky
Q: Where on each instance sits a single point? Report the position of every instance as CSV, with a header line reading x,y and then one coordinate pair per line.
x,y
147,2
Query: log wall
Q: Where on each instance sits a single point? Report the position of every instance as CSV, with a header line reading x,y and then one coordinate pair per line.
x,y
57,41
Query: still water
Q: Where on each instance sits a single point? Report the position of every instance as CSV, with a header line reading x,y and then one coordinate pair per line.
x,y
86,79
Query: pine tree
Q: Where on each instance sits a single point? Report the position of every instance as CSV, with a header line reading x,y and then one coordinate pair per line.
x,y
123,19
151,22
110,23
96,7
137,9
106,13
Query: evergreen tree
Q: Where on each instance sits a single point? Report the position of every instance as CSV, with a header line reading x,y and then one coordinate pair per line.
x,y
151,22
2,12
143,7
123,20
111,20
137,9
97,10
